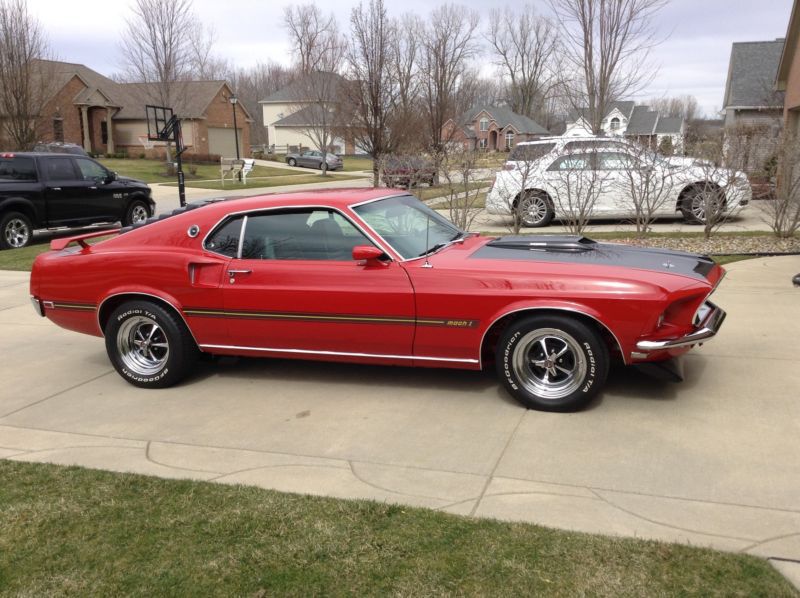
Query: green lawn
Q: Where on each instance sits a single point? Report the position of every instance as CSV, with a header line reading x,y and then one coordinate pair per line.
x,y
73,531
154,171
352,163
426,193
292,178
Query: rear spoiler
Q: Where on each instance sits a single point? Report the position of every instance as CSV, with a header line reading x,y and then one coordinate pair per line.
x,y
59,244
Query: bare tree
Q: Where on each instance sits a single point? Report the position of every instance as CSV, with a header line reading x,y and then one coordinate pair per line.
x,y
156,49
526,49
575,186
203,63
254,84
460,177
783,213
447,44
685,106
314,37
607,43
25,75
406,122
372,89
646,183
520,191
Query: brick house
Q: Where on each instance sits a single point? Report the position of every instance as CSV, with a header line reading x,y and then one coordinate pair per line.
x,y
491,128
106,117
788,79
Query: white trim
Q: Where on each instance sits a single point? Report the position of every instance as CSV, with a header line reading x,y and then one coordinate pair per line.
x,y
338,353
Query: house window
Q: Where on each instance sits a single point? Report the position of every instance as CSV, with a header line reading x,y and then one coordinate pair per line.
x,y
482,143
58,129
509,140
104,132
484,124
615,124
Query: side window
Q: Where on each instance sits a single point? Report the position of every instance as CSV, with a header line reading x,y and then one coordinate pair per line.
x,y
91,170
60,169
225,239
614,161
573,162
301,235
17,169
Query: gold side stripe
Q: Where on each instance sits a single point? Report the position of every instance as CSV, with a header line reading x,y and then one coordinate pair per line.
x,y
332,318
77,306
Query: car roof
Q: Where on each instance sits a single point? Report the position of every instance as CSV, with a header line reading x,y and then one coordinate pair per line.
x,y
335,198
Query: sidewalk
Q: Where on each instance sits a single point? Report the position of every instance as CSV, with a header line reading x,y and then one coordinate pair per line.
x,y
711,462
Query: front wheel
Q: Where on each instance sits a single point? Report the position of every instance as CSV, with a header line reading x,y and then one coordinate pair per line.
x,y
534,210
552,363
149,346
136,213
292,162
16,230
701,204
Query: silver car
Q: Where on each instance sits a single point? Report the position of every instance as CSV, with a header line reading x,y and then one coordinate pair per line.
x,y
313,159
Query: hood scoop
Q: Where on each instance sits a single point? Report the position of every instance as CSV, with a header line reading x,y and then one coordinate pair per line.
x,y
548,243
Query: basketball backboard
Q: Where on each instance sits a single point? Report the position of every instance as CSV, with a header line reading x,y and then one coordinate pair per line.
x,y
159,125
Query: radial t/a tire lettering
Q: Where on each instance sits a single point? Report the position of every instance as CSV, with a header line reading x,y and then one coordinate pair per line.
x,y
552,362
149,346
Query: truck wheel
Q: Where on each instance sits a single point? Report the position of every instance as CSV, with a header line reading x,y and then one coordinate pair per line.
x,y
136,214
16,230
552,363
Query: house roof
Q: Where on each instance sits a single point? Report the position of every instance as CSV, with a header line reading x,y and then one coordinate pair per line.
x,y
625,107
504,116
751,75
669,125
193,97
301,118
790,47
643,121
297,91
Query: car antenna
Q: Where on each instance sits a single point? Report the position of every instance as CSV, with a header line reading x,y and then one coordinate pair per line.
x,y
427,264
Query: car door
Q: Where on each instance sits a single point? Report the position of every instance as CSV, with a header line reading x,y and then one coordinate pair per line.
x,y
576,186
294,288
620,177
104,201
310,159
69,197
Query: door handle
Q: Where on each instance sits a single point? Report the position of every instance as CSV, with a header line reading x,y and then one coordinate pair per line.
x,y
55,188
94,188
233,273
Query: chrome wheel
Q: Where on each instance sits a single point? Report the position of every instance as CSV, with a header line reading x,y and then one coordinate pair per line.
x,y
705,201
138,214
142,345
533,210
549,363
17,233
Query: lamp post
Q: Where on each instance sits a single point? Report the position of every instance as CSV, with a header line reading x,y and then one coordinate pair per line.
x,y
234,100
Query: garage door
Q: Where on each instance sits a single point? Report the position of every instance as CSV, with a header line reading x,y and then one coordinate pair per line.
x,y
221,142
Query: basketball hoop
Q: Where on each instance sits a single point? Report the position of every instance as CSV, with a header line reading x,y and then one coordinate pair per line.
x,y
146,142
163,125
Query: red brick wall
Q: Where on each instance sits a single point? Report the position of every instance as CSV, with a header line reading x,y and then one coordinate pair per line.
x,y
61,105
220,114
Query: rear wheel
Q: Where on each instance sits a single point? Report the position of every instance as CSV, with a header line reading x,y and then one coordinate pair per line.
x,y
149,346
700,203
16,230
534,209
136,213
552,363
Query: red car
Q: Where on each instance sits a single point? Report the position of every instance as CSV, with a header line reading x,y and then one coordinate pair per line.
x,y
374,276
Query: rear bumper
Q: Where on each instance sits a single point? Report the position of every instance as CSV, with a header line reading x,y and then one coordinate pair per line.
x,y
710,319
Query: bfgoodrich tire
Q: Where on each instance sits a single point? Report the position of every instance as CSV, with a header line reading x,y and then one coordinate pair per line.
x,y
552,363
149,346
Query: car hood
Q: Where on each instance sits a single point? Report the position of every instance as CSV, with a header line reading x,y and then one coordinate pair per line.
x,y
580,251
132,182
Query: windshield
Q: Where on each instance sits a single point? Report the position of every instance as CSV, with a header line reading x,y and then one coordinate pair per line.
x,y
408,225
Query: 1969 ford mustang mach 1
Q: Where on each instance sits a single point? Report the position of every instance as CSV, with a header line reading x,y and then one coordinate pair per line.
x,y
374,276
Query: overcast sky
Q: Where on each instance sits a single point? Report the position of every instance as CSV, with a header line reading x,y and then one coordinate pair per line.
x,y
692,60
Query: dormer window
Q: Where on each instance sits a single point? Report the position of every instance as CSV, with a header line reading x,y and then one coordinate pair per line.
x,y
615,124
484,124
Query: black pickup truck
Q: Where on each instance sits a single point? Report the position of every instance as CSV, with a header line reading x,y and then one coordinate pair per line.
x,y
45,191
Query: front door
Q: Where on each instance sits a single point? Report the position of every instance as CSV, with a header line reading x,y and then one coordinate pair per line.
x,y
69,197
294,288
105,198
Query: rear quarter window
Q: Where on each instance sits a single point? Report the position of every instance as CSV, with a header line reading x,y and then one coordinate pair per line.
x,y
17,169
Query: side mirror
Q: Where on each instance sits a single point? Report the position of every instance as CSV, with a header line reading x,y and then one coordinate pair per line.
x,y
112,176
367,253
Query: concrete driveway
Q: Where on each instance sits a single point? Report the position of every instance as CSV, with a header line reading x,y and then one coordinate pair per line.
x,y
711,462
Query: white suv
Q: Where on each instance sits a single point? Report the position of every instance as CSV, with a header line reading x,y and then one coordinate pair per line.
x,y
536,180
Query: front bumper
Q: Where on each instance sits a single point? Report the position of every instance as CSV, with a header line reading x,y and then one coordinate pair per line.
x,y
710,318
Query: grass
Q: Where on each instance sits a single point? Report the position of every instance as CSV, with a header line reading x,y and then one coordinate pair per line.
x,y
292,178
352,163
154,171
73,531
426,193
